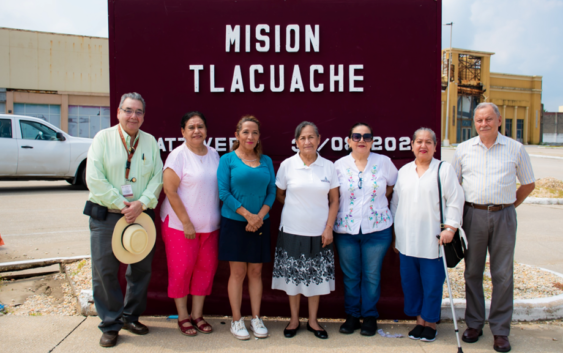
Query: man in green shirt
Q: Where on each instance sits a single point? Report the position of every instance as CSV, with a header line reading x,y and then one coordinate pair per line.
x,y
124,176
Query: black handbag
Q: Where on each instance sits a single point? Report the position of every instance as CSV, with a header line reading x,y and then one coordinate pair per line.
x,y
454,251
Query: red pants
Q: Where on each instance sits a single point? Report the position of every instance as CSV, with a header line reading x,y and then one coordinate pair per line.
x,y
192,263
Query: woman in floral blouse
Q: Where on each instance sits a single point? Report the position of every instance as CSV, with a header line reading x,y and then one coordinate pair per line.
x,y
363,227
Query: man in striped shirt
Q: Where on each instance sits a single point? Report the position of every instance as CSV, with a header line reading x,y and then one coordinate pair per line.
x,y
487,166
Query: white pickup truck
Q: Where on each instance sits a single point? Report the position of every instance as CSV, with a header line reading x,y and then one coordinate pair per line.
x,y
33,149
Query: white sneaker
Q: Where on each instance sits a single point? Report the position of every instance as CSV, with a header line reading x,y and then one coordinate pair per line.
x,y
258,328
238,329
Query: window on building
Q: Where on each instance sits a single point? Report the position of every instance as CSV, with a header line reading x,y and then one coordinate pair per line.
x,y
49,112
508,127
86,121
6,128
2,108
32,130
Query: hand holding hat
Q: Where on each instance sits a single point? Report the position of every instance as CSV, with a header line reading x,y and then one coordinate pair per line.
x,y
131,243
132,211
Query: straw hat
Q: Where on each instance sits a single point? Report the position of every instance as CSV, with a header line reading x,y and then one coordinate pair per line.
x,y
133,242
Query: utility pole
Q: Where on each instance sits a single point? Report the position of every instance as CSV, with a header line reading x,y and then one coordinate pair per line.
x,y
446,138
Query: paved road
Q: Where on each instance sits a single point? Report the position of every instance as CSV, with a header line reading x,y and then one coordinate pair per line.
x,y
44,219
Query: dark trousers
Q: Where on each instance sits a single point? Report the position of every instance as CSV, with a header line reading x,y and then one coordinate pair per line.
x,y
112,309
495,232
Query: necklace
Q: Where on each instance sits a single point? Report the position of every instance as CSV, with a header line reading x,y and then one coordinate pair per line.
x,y
246,160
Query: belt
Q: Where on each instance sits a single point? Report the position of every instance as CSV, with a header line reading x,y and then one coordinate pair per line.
x,y
490,208
111,210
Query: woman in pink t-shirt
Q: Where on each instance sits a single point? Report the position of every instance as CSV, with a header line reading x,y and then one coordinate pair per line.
x,y
190,222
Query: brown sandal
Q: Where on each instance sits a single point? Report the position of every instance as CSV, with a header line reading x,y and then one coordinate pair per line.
x,y
202,327
185,329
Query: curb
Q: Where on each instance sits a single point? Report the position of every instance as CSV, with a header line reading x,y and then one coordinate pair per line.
x,y
544,156
524,309
543,201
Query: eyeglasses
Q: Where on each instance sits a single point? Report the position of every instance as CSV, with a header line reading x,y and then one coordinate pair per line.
x,y
129,112
360,181
357,137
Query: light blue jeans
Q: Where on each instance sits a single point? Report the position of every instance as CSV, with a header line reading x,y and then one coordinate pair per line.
x,y
361,257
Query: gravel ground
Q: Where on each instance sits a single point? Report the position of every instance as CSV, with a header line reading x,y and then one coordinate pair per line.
x,y
548,188
80,274
529,282
43,304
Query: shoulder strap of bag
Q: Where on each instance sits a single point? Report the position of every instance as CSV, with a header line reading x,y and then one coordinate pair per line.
x,y
440,193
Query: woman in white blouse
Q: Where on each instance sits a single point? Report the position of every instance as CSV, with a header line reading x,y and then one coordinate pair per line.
x,y
416,208
362,231
307,186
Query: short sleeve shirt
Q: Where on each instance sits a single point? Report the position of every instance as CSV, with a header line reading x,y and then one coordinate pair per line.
x,y
488,175
305,211
363,205
198,189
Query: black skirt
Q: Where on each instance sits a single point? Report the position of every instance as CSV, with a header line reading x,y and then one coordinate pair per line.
x,y
236,244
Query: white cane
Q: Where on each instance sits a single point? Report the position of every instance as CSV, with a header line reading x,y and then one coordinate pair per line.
x,y
459,350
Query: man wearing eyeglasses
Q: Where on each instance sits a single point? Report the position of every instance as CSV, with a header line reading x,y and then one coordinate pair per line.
x,y
124,176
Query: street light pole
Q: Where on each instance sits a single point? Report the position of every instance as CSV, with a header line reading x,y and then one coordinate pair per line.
x,y
446,138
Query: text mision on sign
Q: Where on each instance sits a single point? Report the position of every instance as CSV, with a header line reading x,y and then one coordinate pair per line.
x,y
233,41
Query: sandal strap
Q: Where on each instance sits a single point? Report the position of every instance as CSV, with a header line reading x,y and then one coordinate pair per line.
x,y
200,319
188,320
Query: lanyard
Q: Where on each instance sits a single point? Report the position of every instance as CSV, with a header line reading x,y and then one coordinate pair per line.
x,y
130,152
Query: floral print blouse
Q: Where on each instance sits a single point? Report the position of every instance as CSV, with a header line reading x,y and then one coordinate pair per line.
x,y
362,194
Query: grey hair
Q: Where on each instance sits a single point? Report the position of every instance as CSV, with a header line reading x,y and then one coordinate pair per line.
x,y
301,126
422,129
487,104
133,95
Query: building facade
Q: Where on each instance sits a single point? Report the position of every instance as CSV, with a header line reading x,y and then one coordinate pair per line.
x,y
63,79
471,82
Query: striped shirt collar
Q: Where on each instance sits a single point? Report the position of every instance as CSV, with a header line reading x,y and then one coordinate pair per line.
x,y
501,140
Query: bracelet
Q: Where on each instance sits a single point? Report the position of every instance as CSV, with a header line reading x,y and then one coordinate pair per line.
x,y
451,230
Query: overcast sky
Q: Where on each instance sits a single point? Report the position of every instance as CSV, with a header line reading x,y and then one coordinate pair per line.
x,y
526,35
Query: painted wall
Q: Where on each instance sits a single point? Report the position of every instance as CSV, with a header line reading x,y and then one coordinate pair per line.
x,y
53,62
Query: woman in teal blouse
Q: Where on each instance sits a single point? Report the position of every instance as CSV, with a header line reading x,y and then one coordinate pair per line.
x,y
247,188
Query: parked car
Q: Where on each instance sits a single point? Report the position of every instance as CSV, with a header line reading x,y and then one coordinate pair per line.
x,y
33,149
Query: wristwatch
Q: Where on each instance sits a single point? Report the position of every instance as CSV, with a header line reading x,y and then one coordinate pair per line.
x,y
144,206
451,230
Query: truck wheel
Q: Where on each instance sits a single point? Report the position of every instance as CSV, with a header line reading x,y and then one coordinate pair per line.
x,y
83,183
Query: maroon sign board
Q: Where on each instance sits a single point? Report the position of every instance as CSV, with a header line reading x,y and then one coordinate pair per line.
x,y
332,62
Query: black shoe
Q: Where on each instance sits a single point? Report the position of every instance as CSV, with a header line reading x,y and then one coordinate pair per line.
x,y
318,333
428,334
291,333
352,323
136,328
416,332
369,326
109,339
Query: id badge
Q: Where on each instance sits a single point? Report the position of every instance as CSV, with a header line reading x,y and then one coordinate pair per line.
x,y
127,191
